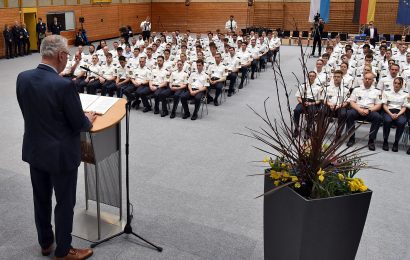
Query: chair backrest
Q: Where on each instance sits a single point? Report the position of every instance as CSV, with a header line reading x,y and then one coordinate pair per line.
x,y
286,33
397,37
305,34
343,36
333,35
295,34
325,35
407,38
387,37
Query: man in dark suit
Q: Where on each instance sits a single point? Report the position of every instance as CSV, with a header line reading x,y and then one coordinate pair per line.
x,y
53,120
56,27
8,40
371,32
41,32
26,40
17,39
318,27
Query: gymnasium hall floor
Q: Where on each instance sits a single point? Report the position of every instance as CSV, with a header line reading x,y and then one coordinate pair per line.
x,y
189,183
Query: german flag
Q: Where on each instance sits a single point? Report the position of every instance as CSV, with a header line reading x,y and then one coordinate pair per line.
x,y
364,11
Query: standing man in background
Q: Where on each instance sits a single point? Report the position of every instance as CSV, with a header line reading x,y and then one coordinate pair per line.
x,y
8,40
146,28
371,32
41,32
26,40
231,25
53,120
318,27
56,27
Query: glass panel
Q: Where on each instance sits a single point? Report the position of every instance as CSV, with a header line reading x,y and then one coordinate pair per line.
x,y
13,3
28,3
71,2
44,2
58,2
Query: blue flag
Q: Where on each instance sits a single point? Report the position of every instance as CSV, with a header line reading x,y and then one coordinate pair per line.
x,y
324,9
403,12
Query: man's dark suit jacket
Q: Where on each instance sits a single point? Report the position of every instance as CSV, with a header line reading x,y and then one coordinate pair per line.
x,y
53,120
376,35
55,28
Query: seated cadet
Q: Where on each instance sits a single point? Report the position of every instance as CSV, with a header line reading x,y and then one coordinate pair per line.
x,y
263,52
365,102
347,79
158,86
322,77
139,79
358,81
178,85
274,45
394,105
308,96
245,61
386,83
254,50
79,74
368,60
92,82
197,86
232,63
123,79
335,98
108,77
216,74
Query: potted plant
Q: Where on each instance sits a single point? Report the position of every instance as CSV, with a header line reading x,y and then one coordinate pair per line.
x,y
315,207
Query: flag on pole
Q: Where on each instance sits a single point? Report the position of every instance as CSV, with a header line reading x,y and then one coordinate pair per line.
x,y
319,6
403,13
364,11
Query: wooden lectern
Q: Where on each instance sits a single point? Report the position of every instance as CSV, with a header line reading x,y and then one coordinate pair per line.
x,y
101,154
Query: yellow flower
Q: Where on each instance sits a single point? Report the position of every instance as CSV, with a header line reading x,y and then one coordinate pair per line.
x,y
294,178
286,175
283,165
297,185
320,172
341,177
321,178
363,188
275,175
266,159
276,183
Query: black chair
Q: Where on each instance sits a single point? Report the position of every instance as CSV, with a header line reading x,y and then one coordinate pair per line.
x,y
286,34
325,35
387,37
407,39
397,37
343,36
333,35
295,34
305,34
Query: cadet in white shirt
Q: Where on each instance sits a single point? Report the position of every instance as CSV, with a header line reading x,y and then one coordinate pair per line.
x,y
231,25
158,85
335,99
108,77
140,79
245,57
232,64
197,86
93,80
254,50
308,96
146,28
394,105
178,85
365,102
386,83
274,45
123,79
216,74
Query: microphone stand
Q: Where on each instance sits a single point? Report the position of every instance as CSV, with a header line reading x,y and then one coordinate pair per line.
x,y
127,229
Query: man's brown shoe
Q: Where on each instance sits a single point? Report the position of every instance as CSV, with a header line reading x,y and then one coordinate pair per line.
x,y
47,251
77,254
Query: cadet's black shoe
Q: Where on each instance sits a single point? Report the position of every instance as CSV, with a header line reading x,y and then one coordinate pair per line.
x,y
252,77
351,142
172,115
408,151
186,115
395,147
240,86
371,145
146,109
194,116
229,94
385,145
216,103
164,113
295,133
156,111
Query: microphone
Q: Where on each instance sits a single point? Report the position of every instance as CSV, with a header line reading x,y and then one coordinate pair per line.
x,y
85,68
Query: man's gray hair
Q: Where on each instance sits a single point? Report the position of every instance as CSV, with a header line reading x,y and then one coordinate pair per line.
x,y
52,44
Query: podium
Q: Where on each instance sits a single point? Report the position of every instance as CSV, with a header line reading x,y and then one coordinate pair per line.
x,y
101,154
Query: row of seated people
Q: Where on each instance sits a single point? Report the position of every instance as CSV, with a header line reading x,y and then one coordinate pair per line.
x,y
364,102
164,75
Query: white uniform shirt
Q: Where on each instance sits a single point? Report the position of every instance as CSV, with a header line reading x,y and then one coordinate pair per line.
x,y
385,83
123,72
245,56
274,42
335,95
216,71
232,63
366,97
311,92
178,78
159,75
108,71
145,26
96,69
228,25
141,74
198,80
395,100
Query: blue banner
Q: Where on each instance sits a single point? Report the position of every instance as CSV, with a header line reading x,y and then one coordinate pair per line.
x,y
403,12
324,9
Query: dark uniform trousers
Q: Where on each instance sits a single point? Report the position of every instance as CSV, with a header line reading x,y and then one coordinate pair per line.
x,y
254,66
185,96
262,61
122,88
232,80
244,72
143,92
341,115
400,123
177,96
374,117
218,88
310,112
79,84
161,95
92,86
64,185
108,87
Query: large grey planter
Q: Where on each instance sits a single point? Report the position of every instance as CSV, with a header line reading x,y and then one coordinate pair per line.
x,y
320,229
